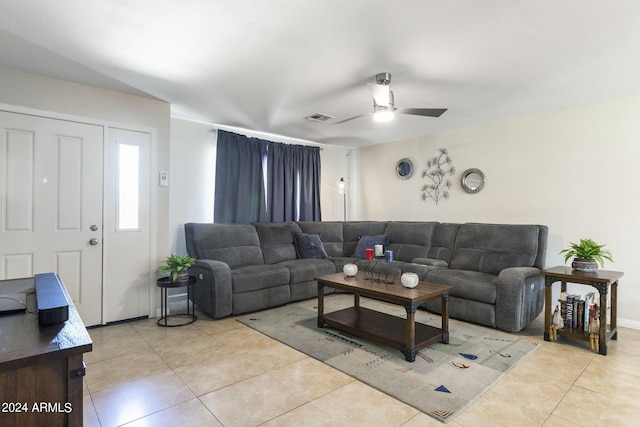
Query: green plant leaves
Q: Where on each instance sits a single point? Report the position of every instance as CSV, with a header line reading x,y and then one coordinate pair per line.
x,y
587,249
174,264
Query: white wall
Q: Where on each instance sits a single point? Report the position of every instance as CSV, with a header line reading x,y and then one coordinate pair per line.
x,y
192,177
573,170
336,164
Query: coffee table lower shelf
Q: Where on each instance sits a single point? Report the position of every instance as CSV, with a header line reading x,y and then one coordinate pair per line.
x,y
384,329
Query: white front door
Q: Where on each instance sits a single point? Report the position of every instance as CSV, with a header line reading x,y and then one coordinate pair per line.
x,y
128,274
51,174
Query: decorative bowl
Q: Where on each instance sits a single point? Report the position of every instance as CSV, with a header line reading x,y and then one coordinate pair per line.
x,y
409,280
350,270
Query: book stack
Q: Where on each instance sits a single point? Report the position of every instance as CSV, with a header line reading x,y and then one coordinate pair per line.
x,y
578,312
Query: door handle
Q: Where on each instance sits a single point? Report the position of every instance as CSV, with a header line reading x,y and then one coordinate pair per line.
x,y
93,241
93,228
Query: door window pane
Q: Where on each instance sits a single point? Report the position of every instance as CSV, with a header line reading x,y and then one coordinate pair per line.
x,y
128,187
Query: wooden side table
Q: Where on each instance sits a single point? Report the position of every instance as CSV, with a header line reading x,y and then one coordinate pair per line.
x,y
165,283
602,280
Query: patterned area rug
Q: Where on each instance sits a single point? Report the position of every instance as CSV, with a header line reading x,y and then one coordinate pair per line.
x,y
443,380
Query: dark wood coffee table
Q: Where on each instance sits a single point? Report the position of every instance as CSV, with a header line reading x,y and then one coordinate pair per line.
x,y
395,332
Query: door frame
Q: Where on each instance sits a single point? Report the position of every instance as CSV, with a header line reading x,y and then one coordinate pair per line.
x,y
153,209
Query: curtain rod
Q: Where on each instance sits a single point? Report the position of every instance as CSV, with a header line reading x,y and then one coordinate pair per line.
x,y
214,130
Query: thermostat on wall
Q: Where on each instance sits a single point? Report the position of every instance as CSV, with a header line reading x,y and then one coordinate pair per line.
x,y
164,179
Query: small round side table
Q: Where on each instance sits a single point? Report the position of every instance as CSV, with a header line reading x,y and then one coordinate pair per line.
x,y
165,283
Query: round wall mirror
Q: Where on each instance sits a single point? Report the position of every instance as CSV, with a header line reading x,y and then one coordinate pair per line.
x,y
472,180
404,168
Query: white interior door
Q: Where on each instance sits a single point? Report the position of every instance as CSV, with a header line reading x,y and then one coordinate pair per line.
x,y
128,273
51,174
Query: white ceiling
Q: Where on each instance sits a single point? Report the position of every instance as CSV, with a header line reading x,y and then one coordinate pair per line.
x,y
266,65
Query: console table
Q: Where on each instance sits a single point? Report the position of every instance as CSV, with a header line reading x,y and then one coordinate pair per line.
x,y
602,280
41,367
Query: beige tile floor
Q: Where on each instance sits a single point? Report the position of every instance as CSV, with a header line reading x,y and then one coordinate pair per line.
x,y
207,374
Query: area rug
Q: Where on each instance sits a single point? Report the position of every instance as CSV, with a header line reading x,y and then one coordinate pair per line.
x,y
443,380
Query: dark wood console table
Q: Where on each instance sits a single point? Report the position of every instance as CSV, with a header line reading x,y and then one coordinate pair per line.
x,y
602,280
41,367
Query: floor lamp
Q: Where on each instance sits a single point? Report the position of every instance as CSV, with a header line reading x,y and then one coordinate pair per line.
x,y
342,189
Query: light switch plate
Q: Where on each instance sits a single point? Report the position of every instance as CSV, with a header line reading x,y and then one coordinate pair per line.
x,y
164,179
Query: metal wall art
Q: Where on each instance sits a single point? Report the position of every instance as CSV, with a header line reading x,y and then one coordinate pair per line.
x,y
437,171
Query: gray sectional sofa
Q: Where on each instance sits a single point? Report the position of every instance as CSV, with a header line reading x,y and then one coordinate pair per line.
x,y
494,268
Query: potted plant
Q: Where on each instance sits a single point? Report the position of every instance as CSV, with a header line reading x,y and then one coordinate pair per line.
x,y
177,267
587,254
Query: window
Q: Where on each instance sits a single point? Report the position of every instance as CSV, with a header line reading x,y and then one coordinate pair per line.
x,y
128,187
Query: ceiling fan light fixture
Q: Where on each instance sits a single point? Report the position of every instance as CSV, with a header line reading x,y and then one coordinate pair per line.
x,y
383,103
383,114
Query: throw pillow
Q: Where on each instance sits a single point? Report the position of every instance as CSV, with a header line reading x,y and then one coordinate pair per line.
x,y
370,242
309,246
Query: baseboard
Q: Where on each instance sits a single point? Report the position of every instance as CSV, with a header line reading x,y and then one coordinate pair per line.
x,y
631,324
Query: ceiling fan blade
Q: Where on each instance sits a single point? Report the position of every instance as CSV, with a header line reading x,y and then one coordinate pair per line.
x,y
381,93
429,112
351,118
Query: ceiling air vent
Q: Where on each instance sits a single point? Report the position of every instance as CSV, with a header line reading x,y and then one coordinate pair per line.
x,y
318,117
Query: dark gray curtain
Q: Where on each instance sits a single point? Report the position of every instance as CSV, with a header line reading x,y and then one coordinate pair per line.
x,y
310,184
292,181
239,193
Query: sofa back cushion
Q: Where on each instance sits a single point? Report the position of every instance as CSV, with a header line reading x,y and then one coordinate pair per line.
x,y
353,230
490,248
330,235
235,244
443,241
276,239
410,240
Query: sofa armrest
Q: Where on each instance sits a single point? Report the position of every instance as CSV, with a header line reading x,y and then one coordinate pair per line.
x,y
213,291
520,297
431,261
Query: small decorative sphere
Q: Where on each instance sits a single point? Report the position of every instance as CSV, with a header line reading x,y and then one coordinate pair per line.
x,y
350,270
409,280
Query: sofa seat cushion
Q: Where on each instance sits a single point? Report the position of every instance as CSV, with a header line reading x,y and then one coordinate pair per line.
x,y
340,262
432,262
256,277
379,266
420,269
395,269
303,270
471,285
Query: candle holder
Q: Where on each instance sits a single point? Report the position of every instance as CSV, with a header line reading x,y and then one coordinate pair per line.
x,y
373,274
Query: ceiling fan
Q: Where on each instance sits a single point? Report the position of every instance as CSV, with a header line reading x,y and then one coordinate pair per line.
x,y
383,107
